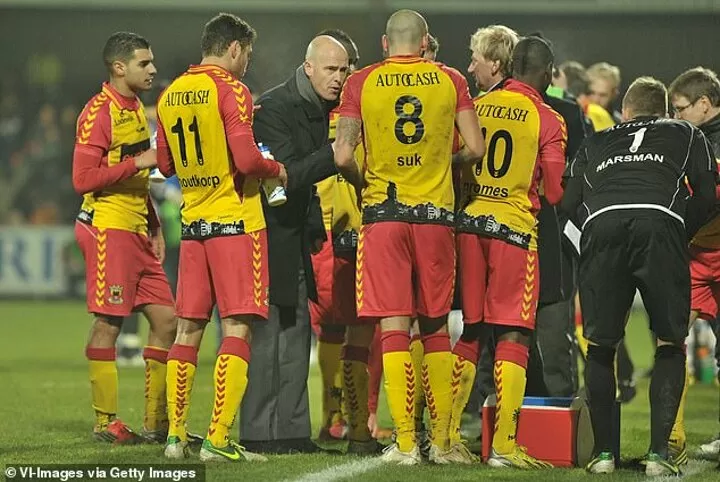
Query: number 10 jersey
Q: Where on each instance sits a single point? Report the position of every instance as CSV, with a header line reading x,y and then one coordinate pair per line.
x,y
197,114
407,106
524,138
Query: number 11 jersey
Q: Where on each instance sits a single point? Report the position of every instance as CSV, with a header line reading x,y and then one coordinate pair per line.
x,y
407,106
197,114
524,137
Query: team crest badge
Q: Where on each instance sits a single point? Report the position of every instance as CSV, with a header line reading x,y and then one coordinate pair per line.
x,y
116,295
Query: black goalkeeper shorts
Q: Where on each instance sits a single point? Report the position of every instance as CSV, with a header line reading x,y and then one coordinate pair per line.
x,y
625,251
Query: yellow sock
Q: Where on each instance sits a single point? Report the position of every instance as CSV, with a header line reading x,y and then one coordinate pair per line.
x,y
582,342
677,436
400,386
436,378
181,365
156,417
463,379
342,414
230,383
417,352
509,373
103,384
355,389
330,373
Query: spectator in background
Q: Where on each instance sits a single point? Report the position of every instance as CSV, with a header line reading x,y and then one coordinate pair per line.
x,y
573,77
605,86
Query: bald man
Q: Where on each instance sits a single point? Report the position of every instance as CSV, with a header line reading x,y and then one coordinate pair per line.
x,y
407,108
292,120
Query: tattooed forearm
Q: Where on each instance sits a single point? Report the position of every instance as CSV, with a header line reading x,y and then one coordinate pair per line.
x,y
348,131
346,140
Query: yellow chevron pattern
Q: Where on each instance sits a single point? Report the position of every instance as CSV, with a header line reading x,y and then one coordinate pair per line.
x,y
85,127
258,288
100,267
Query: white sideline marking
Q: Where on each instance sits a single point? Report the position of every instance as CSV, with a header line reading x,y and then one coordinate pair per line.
x,y
344,471
693,467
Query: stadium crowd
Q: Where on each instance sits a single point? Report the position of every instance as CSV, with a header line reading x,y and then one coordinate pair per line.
x,y
374,239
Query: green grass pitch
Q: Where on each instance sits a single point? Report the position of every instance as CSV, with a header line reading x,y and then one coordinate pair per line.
x,y
45,413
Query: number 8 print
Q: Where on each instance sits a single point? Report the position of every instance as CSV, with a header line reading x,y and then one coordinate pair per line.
x,y
405,118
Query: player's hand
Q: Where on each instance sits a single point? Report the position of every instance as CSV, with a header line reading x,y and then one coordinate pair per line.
x,y
158,245
283,175
146,160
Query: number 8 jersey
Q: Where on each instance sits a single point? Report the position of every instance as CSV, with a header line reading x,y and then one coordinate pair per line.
x,y
525,140
407,106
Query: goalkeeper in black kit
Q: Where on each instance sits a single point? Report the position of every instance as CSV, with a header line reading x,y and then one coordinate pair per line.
x,y
626,188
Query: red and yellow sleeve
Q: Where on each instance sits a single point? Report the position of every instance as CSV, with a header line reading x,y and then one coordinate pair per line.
x,y
464,101
92,142
164,156
236,110
553,142
350,98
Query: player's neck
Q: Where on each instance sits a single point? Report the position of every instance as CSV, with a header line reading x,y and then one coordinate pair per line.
x,y
403,52
121,88
214,60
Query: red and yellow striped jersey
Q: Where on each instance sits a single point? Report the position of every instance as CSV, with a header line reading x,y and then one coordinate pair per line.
x,y
198,113
524,138
116,125
407,106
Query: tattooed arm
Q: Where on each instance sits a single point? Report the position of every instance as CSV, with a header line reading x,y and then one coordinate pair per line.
x,y
346,140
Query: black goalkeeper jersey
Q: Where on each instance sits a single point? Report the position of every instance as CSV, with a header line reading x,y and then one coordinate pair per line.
x,y
646,163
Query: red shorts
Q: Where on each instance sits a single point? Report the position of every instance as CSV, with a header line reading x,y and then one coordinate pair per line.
x,y
231,271
499,282
121,271
335,281
405,268
705,281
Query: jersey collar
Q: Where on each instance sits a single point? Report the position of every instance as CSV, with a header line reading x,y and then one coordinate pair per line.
x,y
123,102
522,87
198,68
405,59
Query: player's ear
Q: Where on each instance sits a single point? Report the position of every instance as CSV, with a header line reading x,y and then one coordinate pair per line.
x,y
234,49
308,67
119,69
385,47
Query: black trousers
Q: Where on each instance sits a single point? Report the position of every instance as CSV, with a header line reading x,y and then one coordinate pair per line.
x,y
275,406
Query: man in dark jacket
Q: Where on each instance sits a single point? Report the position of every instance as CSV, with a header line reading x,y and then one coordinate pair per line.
x,y
553,358
695,97
292,120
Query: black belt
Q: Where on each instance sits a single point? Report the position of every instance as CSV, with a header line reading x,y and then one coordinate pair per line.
x,y
202,229
488,226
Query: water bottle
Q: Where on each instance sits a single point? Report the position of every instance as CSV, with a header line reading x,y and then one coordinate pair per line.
x,y
274,190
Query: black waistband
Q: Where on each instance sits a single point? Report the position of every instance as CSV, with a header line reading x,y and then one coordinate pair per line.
x,y
85,217
345,242
395,211
488,226
202,229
